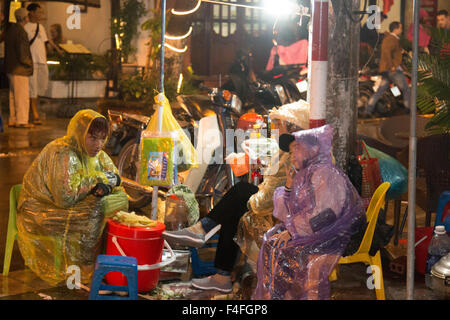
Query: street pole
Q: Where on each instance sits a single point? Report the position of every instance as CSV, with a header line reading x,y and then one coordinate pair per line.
x,y
160,106
318,68
412,159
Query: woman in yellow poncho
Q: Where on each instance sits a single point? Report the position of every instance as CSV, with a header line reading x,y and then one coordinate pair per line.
x,y
68,192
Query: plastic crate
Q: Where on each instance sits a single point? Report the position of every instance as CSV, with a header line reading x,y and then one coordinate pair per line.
x,y
203,258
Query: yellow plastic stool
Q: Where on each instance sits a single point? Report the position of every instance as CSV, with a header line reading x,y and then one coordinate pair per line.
x,y
362,254
11,234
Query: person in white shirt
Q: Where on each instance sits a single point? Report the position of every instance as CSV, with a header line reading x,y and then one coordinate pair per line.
x,y
38,38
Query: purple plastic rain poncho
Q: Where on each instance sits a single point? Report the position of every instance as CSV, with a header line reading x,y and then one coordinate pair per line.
x,y
294,261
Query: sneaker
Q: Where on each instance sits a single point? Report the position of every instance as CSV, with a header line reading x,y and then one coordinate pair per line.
x,y
209,283
184,237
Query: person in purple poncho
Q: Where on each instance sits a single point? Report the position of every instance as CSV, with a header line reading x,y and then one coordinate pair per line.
x,y
319,210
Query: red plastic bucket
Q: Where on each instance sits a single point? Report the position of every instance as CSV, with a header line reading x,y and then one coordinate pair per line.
x,y
421,250
144,243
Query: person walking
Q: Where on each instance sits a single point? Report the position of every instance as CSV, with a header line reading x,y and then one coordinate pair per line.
x,y
19,68
38,39
390,68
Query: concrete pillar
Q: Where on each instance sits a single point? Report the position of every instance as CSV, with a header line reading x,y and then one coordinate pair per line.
x,y
342,87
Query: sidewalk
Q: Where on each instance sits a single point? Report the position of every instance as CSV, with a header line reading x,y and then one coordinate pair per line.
x,y
18,148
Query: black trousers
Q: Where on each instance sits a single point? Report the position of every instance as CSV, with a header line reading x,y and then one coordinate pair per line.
x,y
227,212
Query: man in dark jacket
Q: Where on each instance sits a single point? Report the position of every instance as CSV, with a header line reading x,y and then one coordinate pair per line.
x,y
390,67
19,67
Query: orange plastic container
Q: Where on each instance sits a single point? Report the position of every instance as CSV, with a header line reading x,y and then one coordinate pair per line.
x,y
239,163
144,243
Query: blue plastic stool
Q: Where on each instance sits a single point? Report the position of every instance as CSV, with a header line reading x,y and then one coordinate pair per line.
x,y
202,267
443,199
108,263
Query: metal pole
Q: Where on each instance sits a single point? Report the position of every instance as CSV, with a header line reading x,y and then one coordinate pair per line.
x,y
160,108
412,160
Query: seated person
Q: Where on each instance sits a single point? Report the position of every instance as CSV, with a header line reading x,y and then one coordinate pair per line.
x,y
56,38
241,198
67,193
319,210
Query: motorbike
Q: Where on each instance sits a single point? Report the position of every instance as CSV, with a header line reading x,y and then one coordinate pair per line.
x,y
196,114
368,84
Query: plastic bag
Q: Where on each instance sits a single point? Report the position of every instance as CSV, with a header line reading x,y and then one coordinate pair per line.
x,y
156,159
239,163
185,156
391,171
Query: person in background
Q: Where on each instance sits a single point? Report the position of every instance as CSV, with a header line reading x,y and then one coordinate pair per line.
x,y
370,34
443,20
19,68
424,37
437,48
390,68
56,38
37,37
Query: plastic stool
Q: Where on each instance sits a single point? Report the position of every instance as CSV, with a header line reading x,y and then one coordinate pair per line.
x,y
440,219
107,263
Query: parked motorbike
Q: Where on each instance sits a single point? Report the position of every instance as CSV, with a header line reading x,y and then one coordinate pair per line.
x,y
192,112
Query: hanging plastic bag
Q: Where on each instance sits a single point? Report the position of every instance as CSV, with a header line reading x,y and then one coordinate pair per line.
x,y
371,176
391,171
156,165
185,156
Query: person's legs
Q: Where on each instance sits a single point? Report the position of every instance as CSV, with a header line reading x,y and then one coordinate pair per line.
x,y
384,85
399,79
12,103
34,88
21,99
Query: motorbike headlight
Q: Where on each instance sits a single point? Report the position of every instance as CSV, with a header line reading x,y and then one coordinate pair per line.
x,y
281,93
236,104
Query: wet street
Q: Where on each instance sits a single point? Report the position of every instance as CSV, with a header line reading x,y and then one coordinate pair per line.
x,y
19,147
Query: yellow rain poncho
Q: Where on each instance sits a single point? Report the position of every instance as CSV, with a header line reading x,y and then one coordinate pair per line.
x,y
59,222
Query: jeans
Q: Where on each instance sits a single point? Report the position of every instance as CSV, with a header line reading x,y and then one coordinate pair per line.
x,y
398,78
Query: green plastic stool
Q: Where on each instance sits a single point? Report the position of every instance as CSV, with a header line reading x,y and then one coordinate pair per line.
x,y
11,235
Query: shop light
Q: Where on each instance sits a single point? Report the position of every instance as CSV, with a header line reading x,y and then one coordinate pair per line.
x,y
184,36
180,81
53,62
280,7
176,49
116,36
182,13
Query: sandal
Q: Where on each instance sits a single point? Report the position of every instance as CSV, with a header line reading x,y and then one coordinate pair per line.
x,y
37,122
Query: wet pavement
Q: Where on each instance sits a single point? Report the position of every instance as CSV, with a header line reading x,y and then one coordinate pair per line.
x,y
19,147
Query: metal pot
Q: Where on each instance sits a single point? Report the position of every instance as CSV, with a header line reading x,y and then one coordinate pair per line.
x,y
440,273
